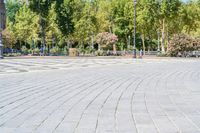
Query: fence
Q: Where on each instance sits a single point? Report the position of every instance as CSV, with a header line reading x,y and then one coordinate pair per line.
x,y
14,52
189,54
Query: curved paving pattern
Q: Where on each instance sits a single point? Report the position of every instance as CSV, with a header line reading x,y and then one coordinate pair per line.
x,y
99,96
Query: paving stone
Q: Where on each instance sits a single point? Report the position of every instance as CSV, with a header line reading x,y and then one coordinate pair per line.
x,y
99,96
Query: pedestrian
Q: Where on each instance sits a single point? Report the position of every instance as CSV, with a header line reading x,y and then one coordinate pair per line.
x,y
141,53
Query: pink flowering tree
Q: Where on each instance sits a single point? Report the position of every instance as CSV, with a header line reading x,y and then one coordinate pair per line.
x,y
105,39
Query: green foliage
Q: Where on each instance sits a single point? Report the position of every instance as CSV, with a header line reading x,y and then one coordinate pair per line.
x,y
76,23
65,10
12,7
55,50
26,24
190,18
24,50
12,54
40,6
36,51
9,39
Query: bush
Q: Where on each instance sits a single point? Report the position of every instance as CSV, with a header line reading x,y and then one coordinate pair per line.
x,y
36,51
12,54
30,51
55,51
99,53
163,55
183,43
65,50
24,50
106,39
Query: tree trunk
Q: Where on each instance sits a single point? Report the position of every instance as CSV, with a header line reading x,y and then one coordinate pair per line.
x,y
143,43
99,47
149,44
167,40
20,44
163,36
114,49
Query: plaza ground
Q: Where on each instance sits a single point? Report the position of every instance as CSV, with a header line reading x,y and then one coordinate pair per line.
x,y
89,95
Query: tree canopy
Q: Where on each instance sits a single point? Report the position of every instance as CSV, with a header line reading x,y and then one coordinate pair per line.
x,y
77,23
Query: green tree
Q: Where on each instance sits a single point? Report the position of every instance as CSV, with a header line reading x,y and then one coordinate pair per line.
x,y
52,30
122,20
12,7
65,11
190,17
41,7
167,10
26,25
146,19
85,25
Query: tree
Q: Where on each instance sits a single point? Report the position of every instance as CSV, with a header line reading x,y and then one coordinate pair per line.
x,y
26,25
168,10
12,7
9,39
85,25
41,7
77,22
65,11
190,17
52,29
122,23
103,16
146,19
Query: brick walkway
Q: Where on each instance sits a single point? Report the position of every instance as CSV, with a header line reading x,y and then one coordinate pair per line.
x,y
99,96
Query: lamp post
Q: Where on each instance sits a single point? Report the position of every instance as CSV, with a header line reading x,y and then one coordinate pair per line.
x,y
2,25
1,47
134,32
129,42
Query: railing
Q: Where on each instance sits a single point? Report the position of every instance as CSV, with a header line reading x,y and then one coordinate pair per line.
x,y
131,52
189,54
14,52
95,53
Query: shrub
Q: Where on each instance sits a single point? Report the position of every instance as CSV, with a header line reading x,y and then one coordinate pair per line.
x,y
30,51
183,43
55,51
99,53
65,50
106,39
24,50
36,51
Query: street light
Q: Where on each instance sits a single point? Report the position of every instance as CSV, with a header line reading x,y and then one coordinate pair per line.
x,y
129,42
134,33
2,25
1,47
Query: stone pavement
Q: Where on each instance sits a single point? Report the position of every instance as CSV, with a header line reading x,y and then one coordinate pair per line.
x,y
99,96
